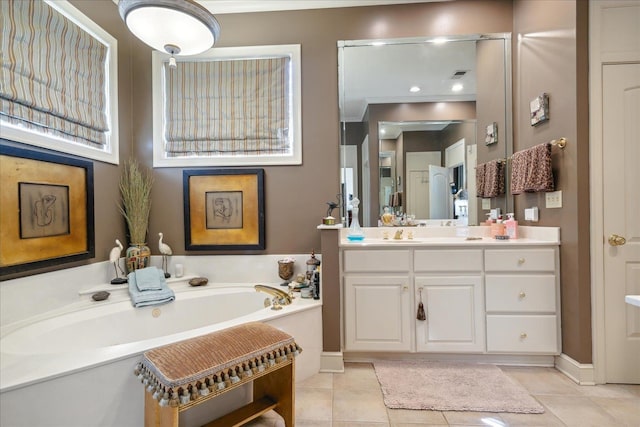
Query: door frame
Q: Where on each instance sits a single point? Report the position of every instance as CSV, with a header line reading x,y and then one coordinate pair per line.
x,y
598,57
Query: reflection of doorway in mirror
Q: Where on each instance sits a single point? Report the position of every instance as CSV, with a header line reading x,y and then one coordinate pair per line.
x,y
417,167
348,178
472,200
454,162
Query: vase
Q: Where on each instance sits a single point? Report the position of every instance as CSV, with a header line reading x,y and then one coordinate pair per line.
x,y
138,255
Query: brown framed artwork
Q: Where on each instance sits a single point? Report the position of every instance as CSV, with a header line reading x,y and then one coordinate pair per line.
x,y
224,209
46,209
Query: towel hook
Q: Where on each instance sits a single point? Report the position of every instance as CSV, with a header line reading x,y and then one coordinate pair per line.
x,y
560,143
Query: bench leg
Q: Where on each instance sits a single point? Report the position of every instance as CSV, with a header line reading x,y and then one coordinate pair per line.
x,y
158,416
280,387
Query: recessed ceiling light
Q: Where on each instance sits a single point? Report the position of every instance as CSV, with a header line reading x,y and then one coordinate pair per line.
x,y
457,87
414,89
382,131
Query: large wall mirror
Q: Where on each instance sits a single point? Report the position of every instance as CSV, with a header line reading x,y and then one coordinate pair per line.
x,y
417,116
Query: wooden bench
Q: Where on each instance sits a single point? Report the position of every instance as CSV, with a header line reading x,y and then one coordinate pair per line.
x,y
181,375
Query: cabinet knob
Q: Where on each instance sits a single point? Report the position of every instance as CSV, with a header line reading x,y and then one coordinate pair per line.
x,y
522,295
405,288
523,335
520,260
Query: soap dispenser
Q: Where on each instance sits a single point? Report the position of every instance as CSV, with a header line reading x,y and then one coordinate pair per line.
x,y
511,226
355,231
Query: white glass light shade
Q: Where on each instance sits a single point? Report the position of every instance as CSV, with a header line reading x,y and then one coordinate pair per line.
x,y
182,23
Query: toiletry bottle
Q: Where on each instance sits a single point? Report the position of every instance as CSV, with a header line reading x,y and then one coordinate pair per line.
x,y
355,231
511,226
489,221
497,228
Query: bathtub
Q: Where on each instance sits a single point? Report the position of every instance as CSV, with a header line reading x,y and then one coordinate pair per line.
x,y
75,365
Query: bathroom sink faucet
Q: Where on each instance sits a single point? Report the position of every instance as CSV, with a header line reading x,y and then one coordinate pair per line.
x,y
279,295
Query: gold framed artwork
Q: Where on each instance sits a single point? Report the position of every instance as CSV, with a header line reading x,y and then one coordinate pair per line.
x,y
224,209
46,214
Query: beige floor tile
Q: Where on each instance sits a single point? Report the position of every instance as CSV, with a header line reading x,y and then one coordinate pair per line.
x,y
358,424
548,419
607,390
624,411
633,389
399,416
355,376
417,424
542,380
577,411
361,405
468,418
320,380
314,404
312,423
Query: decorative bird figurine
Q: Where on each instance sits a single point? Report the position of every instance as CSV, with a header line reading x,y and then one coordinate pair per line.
x,y
114,258
165,250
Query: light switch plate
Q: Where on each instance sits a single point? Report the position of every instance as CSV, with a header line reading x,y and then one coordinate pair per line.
x,y
486,204
554,199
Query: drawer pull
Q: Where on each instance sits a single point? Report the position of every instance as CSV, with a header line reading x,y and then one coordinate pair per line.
x,y
522,295
520,260
523,336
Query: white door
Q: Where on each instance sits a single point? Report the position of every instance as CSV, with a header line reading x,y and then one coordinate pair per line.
x,y
417,167
621,160
438,192
366,184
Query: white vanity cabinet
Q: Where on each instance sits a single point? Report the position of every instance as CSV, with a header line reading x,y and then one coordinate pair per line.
x,y
449,282
482,297
522,301
376,306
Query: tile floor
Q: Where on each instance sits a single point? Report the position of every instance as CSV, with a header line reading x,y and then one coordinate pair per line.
x,y
354,399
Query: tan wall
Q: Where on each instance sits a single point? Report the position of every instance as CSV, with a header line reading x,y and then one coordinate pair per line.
x,y
296,195
551,58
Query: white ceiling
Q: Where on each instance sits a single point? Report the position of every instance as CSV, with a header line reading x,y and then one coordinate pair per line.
x,y
243,6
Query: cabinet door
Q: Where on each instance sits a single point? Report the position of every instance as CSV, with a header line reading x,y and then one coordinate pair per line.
x,y
377,313
455,314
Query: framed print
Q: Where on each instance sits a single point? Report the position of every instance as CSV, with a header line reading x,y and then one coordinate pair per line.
x,y
224,209
491,136
539,109
46,215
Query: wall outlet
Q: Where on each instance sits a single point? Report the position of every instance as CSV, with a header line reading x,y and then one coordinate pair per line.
x,y
486,204
554,199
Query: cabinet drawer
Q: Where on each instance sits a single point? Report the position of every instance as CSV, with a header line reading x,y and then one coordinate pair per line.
x,y
530,293
519,260
522,334
448,260
367,261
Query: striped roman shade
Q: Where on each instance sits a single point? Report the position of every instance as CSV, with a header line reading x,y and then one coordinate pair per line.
x,y
228,107
53,74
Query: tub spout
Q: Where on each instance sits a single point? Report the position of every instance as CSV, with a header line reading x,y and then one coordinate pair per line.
x,y
282,297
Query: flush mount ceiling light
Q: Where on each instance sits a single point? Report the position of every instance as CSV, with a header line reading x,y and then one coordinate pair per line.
x,y
414,89
177,27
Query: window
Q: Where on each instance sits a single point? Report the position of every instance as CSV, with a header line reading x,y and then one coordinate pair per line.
x,y
59,88
228,107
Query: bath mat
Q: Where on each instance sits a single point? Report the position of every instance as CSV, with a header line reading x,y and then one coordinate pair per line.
x,y
452,386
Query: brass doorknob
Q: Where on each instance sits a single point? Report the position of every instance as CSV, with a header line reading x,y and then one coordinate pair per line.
x,y
615,240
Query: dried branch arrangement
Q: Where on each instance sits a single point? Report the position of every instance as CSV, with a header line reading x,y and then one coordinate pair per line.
x,y
135,189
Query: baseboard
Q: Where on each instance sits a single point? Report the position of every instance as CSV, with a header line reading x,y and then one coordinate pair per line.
x,y
581,373
331,361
